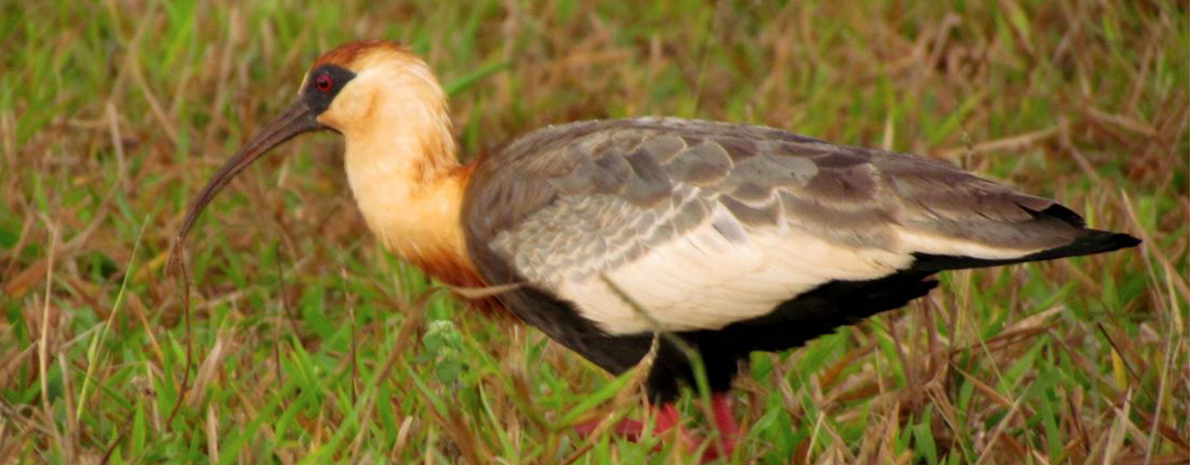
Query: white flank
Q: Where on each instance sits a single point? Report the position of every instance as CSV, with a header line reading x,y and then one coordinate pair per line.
x,y
704,280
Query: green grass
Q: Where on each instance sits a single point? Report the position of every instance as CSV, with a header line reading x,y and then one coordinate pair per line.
x,y
306,343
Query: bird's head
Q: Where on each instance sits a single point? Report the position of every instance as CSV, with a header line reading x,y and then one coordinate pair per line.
x,y
350,90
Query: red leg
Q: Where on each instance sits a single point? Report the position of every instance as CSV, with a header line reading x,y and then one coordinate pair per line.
x,y
729,431
667,417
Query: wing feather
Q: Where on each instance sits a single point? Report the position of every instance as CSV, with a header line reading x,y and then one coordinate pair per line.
x,y
705,224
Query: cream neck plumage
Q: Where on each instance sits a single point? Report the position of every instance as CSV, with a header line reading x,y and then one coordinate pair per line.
x,y
400,156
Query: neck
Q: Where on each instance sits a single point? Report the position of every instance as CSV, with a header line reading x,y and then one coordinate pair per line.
x,y
409,187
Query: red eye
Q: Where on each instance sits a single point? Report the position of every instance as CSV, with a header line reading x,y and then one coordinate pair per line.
x,y
324,83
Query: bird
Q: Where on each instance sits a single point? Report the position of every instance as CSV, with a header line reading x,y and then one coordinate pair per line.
x,y
656,238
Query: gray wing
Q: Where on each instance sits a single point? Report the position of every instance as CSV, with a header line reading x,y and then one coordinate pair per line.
x,y
703,224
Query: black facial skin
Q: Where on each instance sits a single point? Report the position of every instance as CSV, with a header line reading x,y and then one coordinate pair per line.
x,y
319,98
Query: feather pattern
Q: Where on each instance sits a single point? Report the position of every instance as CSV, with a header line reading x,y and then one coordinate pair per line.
x,y
705,224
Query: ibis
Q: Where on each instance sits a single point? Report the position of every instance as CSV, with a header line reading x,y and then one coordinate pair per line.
x,y
725,238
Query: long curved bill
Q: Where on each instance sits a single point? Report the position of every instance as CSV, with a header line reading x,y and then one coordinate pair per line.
x,y
295,120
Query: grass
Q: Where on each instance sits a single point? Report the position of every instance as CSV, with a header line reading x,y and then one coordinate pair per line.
x,y
308,344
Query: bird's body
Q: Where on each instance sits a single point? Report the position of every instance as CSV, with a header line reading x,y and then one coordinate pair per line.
x,y
734,238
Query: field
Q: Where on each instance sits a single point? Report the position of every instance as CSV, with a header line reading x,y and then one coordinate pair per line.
x,y
305,342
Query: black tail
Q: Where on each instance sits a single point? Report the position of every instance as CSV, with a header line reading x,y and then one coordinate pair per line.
x,y
1091,242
